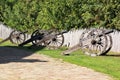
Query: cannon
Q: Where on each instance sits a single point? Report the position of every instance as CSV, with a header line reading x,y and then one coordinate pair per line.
x,y
16,37
93,42
96,42
50,38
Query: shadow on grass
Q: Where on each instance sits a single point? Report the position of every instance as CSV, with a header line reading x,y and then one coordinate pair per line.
x,y
113,55
16,54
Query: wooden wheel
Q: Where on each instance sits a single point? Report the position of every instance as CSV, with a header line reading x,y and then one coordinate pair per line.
x,y
54,38
93,42
40,34
109,44
17,37
56,41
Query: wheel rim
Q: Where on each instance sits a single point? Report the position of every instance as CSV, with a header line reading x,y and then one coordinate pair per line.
x,y
34,34
17,37
36,42
57,41
91,43
109,44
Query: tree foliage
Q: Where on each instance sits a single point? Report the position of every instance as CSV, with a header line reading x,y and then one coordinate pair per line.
x,y
62,14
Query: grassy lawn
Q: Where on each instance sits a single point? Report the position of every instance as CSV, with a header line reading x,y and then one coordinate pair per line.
x,y
106,64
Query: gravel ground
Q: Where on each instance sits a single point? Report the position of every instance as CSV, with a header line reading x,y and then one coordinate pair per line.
x,y
16,64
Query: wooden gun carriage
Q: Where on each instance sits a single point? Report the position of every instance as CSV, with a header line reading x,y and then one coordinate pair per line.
x,y
16,37
93,42
50,38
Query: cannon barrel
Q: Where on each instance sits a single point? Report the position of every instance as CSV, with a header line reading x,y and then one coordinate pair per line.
x,y
24,32
30,40
109,31
106,32
62,32
100,35
43,37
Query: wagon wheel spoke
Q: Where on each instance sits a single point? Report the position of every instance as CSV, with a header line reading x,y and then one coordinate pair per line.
x,y
97,48
96,44
14,40
37,41
15,37
20,39
17,41
57,41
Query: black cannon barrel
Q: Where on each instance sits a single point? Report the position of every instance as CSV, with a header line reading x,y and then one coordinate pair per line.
x,y
65,31
24,32
109,31
99,35
30,40
26,42
106,32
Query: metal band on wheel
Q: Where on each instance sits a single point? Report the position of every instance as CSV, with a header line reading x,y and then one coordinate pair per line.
x,y
17,37
93,42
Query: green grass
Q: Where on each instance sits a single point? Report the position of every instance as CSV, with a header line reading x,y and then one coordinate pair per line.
x,y
106,64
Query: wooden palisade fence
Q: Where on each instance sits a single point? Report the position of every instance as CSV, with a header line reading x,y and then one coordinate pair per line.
x,y
71,38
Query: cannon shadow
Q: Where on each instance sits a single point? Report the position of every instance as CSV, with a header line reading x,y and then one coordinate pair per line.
x,y
113,55
13,54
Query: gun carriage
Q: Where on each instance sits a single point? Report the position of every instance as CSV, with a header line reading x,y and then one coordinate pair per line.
x,y
93,42
16,37
50,38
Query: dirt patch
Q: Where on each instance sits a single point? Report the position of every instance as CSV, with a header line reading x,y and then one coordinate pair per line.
x,y
16,64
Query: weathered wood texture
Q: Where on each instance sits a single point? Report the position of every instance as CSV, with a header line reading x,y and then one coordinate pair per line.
x,y
71,38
